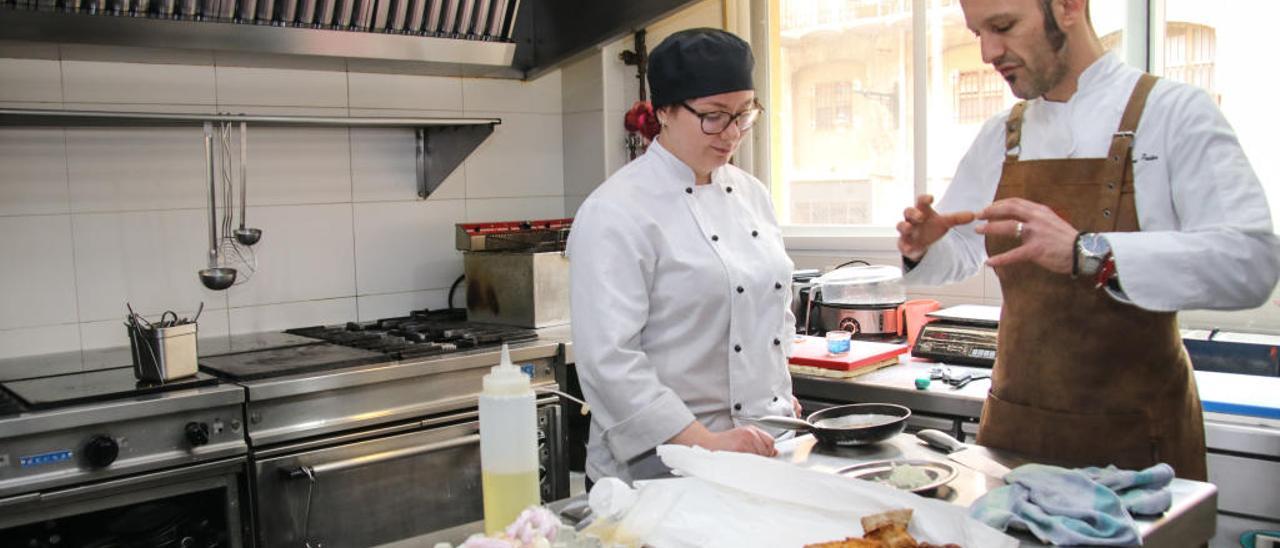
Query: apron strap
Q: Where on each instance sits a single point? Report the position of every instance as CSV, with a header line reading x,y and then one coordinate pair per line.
x,y
1120,157
1013,132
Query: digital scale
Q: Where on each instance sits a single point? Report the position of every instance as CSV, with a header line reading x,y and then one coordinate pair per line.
x,y
961,335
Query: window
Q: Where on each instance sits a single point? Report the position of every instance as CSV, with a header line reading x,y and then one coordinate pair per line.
x,y
832,105
842,93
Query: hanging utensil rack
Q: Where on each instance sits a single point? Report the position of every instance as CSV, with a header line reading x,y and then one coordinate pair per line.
x,y
441,143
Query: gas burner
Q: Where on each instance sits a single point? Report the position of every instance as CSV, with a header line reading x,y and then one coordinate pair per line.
x,y
421,333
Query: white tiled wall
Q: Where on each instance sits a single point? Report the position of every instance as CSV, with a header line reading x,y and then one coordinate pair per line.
x,y
93,218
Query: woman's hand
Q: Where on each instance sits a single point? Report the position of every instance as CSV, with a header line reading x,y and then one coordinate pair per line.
x,y
743,439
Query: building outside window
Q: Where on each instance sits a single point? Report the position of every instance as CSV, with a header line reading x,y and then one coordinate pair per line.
x,y
832,105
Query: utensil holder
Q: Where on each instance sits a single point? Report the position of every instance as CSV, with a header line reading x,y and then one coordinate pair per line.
x,y
163,354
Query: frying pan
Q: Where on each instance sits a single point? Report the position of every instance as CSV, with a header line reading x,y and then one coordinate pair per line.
x,y
859,434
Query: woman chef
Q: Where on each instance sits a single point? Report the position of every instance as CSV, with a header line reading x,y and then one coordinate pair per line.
x,y
680,285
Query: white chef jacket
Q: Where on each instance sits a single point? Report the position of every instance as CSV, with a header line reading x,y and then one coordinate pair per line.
x,y
680,300
1206,239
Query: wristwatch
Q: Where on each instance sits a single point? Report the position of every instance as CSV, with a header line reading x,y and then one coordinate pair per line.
x,y
1091,254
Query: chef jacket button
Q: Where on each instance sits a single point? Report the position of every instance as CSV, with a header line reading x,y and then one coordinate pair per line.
x,y
737,407
776,342
1111,186
737,348
775,398
740,289
777,285
1106,212
715,238
688,190
728,189
755,233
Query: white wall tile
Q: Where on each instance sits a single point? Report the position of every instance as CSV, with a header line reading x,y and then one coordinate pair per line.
x,y
38,80
411,91
582,84
305,253
295,165
501,95
276,317
515,209
406,246
30,341
571,205
523,157
148,259
37,282
129,169
584,167
112,333
384,168
137,83
281,87
621,88
390,305
33,171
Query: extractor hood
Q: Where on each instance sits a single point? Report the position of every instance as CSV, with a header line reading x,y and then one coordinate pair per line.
x,y
494,38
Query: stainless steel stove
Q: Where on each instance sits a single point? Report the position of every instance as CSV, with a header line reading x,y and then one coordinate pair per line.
x,y
367,433
99,459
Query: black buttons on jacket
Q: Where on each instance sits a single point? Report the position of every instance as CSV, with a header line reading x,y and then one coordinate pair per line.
x,y
737,407
688,190
775,398
737,348
777,285
715,238
755,233
740,289
776,342
728,189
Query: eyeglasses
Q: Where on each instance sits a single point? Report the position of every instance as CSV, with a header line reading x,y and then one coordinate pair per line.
x,y
715,122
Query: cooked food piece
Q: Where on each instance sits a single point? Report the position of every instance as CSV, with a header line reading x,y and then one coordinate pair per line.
x,y
855,421
850,542
891,535
908,477
901,516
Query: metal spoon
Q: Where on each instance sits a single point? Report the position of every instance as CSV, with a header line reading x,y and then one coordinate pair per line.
x,y
214,277
246,236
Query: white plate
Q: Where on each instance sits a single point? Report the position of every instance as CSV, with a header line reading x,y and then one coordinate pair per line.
x,y
878,471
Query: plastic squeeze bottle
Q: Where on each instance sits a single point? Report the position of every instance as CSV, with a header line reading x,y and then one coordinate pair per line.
x,y
508,445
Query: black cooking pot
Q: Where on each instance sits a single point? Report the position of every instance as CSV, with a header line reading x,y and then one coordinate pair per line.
x,y
853,424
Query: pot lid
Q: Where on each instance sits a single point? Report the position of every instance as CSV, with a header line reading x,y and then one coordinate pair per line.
x,y
858,275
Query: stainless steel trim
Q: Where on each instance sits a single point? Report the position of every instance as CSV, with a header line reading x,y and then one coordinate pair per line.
x,y
288,11
497,18
450,23
307,12
27,117
363,14
509,23
325,468
398,13
324,14
158,404
381,10
482,17
345,10
290,386
24,25
266,11
466,18
1241,438
247,13
20,499
115,484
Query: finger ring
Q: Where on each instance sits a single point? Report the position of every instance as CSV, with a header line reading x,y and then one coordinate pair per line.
x,y
1017,230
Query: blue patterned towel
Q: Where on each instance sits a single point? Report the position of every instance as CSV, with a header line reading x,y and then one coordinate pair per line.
x,y
1085,506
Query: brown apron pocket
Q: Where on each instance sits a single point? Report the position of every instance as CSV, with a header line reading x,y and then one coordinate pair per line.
x,y
1126,440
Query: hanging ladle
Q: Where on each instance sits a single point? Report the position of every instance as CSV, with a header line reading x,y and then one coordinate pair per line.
x,y
246,236
214,277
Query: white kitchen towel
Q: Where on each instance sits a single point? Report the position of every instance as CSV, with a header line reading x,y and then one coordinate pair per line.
x,y
735,499
1069,507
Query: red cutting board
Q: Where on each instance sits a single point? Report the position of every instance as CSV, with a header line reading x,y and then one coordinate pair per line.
x,y
812,351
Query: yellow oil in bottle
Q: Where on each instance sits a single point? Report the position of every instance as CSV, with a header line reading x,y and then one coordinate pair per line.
x,y
505,496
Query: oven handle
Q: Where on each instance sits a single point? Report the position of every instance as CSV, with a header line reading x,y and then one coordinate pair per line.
x,y
364,460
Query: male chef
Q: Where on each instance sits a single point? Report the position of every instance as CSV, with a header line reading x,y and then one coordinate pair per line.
x,y
1107,200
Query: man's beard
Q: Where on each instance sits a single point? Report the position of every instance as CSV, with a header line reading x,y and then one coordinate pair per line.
x,y
1052,69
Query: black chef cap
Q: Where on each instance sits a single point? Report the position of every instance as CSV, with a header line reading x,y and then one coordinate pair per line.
x,y
698,63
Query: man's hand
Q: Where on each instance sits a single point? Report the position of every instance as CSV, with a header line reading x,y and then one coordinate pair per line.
x,y
743,439
1046,239
922,226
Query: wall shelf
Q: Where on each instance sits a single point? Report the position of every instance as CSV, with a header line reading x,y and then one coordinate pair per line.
x,y
442,143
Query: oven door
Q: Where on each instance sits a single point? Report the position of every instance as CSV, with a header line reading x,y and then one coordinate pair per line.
x,y
386,484
196,505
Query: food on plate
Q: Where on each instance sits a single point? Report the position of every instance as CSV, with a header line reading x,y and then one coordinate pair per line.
x,y
908,477
883,530
856,421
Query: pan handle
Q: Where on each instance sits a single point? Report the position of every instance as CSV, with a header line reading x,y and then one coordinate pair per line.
x,y
789,423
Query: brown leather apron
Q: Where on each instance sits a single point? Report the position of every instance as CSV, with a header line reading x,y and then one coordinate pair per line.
x,y
1080,378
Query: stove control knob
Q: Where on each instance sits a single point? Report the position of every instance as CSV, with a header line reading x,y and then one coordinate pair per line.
x,y
101,451
197,433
